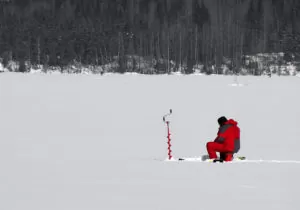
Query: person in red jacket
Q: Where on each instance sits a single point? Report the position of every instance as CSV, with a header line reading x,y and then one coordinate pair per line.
x,y
227,141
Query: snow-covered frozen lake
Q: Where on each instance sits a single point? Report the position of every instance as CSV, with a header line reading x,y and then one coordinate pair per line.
x,y
91,142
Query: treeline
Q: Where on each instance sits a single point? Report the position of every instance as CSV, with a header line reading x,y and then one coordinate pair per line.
x,y
189,32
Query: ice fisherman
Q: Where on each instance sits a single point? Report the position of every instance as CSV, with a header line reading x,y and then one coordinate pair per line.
x,y
227,141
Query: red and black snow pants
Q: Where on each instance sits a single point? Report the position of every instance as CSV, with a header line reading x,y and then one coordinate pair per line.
x,y
214,147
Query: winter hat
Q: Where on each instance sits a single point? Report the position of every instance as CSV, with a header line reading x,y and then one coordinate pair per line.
x,y
222,120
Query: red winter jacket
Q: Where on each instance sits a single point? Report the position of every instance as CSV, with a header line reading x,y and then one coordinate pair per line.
x,y
229,135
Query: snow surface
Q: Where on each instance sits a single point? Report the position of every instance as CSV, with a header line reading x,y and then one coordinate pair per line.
x,y
87,142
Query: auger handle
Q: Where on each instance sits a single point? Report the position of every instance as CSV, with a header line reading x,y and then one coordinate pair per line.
x,y
166,115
